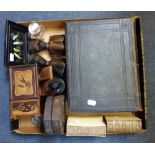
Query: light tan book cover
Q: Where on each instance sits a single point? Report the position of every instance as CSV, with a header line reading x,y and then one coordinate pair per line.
x,y
86,126
123,124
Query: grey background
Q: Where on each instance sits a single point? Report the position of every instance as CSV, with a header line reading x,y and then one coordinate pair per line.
x,y
148,28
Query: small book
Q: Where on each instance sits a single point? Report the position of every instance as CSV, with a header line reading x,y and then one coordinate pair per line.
x,y
123,124
86,126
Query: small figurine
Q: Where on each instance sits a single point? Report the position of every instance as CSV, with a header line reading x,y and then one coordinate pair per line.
x,y
36,59
58,68
36,45
38,121
56,42
17,47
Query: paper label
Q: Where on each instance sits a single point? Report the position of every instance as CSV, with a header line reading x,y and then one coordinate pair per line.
x,y
91,102
11,57
77,121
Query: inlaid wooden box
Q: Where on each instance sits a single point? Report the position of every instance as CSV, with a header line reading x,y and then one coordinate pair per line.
x,y
24,93
25,107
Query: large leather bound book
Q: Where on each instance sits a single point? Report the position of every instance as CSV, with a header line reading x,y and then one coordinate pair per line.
x,y
102,66
123,124
86,126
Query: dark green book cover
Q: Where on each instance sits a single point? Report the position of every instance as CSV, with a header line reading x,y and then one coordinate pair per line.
x,y
102,73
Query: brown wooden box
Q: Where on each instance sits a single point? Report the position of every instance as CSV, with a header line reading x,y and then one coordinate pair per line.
x,y
23,82
24,97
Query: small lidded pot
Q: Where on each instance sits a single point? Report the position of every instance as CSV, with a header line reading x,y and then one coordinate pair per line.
x,y
56,86
36,30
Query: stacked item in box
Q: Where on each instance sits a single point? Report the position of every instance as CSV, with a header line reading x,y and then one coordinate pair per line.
x,y
76,77
37,79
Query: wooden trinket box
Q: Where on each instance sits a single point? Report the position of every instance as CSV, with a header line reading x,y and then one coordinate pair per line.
x,y
23,82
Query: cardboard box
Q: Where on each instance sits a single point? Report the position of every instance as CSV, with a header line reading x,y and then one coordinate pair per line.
x,y
57,27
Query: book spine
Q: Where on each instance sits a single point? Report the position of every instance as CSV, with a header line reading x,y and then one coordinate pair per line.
x,y
125,126
136,51
67,48
86,131
144,74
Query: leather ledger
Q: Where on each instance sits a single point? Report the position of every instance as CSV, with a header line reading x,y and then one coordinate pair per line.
x,y
102,66
123,124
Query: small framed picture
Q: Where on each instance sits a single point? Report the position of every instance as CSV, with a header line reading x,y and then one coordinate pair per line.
x,y
16,52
